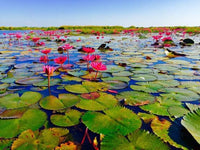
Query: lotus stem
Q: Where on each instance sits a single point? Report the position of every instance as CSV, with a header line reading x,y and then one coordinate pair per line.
x,y
68,56
49,84
96,75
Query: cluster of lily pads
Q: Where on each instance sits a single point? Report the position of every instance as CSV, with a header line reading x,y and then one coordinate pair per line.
x,y
133,97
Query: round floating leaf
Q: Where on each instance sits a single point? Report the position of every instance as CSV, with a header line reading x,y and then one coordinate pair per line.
x,y
148,87
146,117
166,67
113,68
47,139
161,106
116,84
9,128
135,98
192,107
167,83
160,128
86,87
143,77
180,94
12,101
191,123
191,85
137,140
5,143
70,118
101,103
32,119
115,120
12,113
122,74
51,103
63,101
142,70
3,88
70,78
177,111
124,79
93,95
45,82
164,77
30,80
92,75
77,73
68,100
67,146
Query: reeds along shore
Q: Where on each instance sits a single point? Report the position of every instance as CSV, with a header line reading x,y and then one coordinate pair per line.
x,y
109,29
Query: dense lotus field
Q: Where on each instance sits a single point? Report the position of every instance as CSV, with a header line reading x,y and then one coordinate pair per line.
x,y
108,92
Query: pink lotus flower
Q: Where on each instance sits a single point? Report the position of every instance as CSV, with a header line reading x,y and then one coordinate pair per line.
x,y
18,36
157,37
98,66
97,57
27,37
35,39
88,50
46,51
89,57
167,38
67,47
60,60
44,59
49,70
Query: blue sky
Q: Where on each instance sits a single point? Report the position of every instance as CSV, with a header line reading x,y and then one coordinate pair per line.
x,y
100,12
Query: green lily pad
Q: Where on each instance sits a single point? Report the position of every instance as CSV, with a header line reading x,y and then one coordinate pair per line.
x,y
31,119
45,82
191,123
63,101
77,73
161,106
71,118
5,143
177,111
116,84
12,101
192,107
70,78
86,87
148,87
124,79
115,120
143,77
157,125
122,74
113,68
140,140
3,87
180,94
30,80
47,139
103,102
135,98
167,83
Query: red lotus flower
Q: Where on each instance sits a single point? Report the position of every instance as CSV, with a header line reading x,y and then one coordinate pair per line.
x,y
35,39
49,70
167,38
44,59
98,66
46,51
157,37
67,47
18,36
167,45
97,57
89,57
60,60
88,50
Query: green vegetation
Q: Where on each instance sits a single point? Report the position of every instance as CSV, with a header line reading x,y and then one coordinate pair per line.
x,y
107,29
